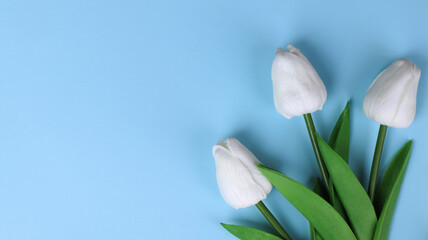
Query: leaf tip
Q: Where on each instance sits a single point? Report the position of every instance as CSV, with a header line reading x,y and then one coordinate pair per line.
x,y
347,103
225,226
347,106
408,145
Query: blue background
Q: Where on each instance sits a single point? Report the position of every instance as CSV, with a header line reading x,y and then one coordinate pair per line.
x,y
109,110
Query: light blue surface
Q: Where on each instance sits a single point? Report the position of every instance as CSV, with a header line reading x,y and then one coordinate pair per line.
x,y
109,110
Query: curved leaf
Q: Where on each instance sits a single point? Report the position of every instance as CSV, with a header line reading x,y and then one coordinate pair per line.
x,y
357,203
315,235
335,200
313,232
247,233
318,212
339,138
388,190
339,141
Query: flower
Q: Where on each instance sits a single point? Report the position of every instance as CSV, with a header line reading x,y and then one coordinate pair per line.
x,y
297,88
391,98
240,181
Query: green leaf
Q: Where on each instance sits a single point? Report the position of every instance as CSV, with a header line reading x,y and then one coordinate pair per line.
x,y
247,233
335,200
313,232
318,212
357,203
388,190
315,235
339,138
339,141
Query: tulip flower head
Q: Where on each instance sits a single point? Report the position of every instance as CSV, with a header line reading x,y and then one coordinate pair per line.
x,y
391,98
240,181
297,88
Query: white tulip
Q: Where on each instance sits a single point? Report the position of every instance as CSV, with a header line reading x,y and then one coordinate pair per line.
x,y
391,98
240,181
297,88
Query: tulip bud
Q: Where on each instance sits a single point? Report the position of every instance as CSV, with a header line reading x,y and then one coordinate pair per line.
x,y
240,181
391,98
297,88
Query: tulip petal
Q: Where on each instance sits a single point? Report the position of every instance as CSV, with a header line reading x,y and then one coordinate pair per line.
x,y
236,183
297,87
391,98
250,161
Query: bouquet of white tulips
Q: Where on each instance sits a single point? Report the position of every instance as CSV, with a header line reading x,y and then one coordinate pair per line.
x,y
338,207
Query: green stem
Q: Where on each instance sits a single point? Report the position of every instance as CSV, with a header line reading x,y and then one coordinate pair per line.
x,y
311,130
272,220
376,160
